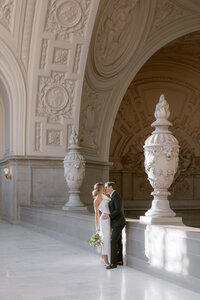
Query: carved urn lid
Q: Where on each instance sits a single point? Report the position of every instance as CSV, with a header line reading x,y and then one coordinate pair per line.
x,y
161,114
161,135
73,141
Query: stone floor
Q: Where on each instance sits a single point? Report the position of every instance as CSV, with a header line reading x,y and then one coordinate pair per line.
x,y
34,266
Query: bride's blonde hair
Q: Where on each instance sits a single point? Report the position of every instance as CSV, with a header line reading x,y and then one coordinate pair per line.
x,y
97,188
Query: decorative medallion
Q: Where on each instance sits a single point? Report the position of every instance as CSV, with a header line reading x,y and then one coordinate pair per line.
x,y
56,95
69,13
67,18
56,98
118,35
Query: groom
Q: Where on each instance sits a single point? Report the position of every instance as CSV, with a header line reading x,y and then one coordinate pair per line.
x,y
117,223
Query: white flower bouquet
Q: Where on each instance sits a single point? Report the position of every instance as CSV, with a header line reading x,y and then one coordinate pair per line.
x,y
96,240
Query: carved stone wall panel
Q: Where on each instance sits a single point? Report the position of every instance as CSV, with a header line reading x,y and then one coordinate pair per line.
x,y
55,95
67,18
61,56
62,30
54,137
38,136
6,13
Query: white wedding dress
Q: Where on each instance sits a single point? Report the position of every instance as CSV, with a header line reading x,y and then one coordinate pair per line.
x,y
105,227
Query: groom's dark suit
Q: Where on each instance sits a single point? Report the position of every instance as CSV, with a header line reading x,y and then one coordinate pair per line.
x,y
117,223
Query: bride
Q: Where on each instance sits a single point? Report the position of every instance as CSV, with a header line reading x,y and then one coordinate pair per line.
x,y
102,226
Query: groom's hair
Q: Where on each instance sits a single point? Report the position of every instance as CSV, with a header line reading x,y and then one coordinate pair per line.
x,y
110,183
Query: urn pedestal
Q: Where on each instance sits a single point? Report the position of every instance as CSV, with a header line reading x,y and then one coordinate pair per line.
x,y
161,151
74,172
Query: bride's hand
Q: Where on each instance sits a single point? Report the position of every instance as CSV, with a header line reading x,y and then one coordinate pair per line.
x,y
105,216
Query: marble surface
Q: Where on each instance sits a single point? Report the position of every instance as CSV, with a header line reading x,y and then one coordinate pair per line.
x,y
34,266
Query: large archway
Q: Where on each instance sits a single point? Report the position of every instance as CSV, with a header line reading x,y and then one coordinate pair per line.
x,y
107,77
174,71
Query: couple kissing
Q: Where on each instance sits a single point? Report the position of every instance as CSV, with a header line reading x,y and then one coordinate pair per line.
x,y
109,223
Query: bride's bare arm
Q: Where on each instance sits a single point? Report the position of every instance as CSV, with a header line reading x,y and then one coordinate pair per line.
x,y
96,210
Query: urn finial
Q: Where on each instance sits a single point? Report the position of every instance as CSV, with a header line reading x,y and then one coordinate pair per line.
x,y
162,113
73,140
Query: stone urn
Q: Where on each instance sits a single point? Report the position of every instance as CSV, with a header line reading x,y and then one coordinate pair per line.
x,y
161,151
74,172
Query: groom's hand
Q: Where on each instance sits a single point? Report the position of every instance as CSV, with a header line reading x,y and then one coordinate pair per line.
x,y
105,216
